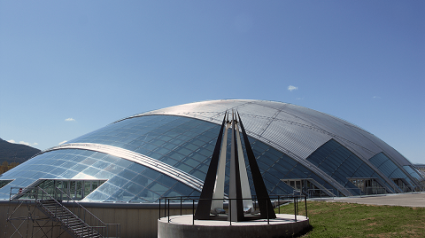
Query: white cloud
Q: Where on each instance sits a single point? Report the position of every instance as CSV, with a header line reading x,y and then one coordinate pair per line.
x,y
63,142
292,88
24,143
70,119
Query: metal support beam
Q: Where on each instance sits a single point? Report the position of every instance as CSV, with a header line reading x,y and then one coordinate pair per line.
x,y
266,208
235,190
204,204
246,190
239,188
218,195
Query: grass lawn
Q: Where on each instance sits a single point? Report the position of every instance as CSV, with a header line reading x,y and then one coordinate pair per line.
x,y
336,219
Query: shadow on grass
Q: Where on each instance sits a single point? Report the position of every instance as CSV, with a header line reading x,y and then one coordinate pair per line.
x,y
304,231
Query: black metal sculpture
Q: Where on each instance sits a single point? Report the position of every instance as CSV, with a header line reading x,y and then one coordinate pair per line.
x,y
236,209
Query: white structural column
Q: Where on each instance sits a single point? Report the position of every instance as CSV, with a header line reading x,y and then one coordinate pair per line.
x,y
218,193
246,191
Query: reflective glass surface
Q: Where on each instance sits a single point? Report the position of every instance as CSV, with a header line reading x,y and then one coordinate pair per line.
x,y
184,143
5,182
275,165
340,163
413,172
188,144
387,167
126,181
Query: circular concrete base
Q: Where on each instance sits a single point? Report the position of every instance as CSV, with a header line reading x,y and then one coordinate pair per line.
x,y
181,226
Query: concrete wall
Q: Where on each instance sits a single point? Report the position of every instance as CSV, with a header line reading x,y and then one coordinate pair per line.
x,y
183,228
136,220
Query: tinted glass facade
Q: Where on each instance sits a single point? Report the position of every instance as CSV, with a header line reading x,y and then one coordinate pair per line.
x,y
413,172
389,168
342,164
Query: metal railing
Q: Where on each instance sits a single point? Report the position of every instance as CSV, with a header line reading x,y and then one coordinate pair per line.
x,y
375,190
38,194
276,201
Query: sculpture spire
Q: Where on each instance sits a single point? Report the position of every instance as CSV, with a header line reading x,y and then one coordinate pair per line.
x,y
240,199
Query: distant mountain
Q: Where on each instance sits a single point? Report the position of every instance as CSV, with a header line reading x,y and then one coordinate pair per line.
x,y
15,152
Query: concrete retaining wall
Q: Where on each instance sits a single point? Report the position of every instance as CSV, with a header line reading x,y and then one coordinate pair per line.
x,y
246,230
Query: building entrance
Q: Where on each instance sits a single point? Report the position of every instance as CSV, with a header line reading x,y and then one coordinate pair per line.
x,y
368,185
309,187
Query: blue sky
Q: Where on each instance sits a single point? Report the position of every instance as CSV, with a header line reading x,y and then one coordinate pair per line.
x,y
70,67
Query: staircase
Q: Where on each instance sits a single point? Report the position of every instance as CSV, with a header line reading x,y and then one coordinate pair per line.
x,y
70,222
79,223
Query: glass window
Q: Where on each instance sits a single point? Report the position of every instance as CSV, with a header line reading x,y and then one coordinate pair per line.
x,y
184,167
389,168
182,142
158,188
168,161
127,174
142,180
338,162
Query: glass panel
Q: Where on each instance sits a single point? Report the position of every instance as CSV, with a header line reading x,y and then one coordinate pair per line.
x,y
159,137
337,161
389,168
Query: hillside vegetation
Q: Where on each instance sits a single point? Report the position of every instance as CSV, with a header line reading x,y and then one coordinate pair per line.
x,y
13,154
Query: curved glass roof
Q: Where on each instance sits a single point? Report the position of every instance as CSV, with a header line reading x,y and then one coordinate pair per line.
x,y
294,129
184,143
167,152
126,181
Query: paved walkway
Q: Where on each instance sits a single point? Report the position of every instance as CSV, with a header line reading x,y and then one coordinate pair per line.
x,y
404,200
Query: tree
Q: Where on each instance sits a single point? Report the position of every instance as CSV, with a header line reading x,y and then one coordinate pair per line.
x,y
4,167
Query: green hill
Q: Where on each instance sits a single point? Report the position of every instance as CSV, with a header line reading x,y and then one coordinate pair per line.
x,y
15,152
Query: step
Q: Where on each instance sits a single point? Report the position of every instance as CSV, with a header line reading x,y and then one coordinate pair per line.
x,y
66,215
92,235
77,229
53,209
89,234
76,224
61,214
49,203
64,212
86,232
71,221
52,206
67,218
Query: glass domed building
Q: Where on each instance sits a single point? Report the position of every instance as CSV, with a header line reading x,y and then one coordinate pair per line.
x,y
166,152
